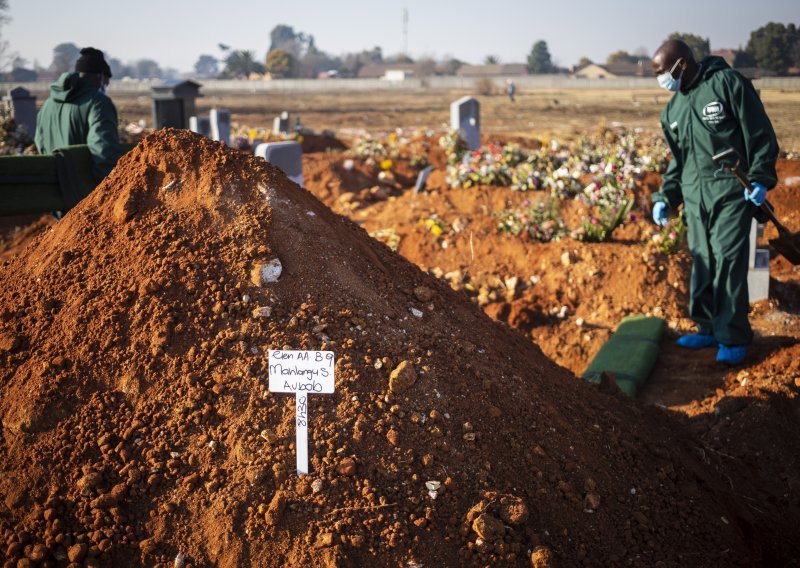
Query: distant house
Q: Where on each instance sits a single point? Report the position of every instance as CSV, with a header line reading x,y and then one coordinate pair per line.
x,y
494,70
729,55
387,71
614,70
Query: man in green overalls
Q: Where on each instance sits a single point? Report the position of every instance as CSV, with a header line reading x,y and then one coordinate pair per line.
x,y
79,112
714,108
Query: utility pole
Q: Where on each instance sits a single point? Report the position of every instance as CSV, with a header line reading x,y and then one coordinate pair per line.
x,y
405,32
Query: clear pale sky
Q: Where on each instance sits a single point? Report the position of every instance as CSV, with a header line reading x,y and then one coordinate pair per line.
x,y
175,32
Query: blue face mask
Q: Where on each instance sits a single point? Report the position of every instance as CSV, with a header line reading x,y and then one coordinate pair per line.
x,y
668,82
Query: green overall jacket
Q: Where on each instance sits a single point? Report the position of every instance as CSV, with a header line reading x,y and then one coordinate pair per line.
x,y
78,113
720,110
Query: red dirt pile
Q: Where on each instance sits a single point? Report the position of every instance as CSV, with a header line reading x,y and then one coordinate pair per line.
x,y
137,428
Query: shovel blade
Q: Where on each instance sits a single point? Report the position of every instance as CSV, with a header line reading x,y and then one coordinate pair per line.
x,y
788,246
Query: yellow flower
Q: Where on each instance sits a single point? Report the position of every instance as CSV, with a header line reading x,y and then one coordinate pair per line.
x,y
386,165
436,230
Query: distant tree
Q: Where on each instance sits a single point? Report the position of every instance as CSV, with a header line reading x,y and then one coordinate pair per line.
x,y
743,59
427,66
701,47
400,58
584,61
539,60
622,57
491,60
147,69
280,63
774,47
280,36
351,63
451,66
6,56
240,63
297,44
207,66
120,69
64,57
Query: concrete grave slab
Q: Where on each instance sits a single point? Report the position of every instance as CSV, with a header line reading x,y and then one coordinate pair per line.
x,y
288,156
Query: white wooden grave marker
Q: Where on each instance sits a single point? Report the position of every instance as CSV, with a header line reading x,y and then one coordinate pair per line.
x,y
301,373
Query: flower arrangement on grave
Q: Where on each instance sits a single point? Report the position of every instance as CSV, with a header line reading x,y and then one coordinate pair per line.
x,y
389,237
672,237
608,200
435,225
541,221
394,146
453,146
600,227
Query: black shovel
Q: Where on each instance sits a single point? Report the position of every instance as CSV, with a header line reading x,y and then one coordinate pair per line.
x,y
787,244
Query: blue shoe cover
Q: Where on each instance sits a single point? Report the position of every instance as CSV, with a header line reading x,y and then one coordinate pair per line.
x,y
732,355
697,341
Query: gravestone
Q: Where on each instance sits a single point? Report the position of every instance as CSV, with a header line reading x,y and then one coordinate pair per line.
x,y
220,119
465,116
288,156
23,109
281,124
174,103
201,125
758,267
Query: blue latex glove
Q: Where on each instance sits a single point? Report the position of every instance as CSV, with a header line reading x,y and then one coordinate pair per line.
x,y
660,214
758,195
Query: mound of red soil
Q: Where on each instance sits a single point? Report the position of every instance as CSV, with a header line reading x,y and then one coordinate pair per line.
x,y
137,428
17,231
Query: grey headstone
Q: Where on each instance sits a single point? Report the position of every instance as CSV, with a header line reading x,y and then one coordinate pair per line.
x,y
23,108
422,179
281,124
465,116
220,119
288,156
200,125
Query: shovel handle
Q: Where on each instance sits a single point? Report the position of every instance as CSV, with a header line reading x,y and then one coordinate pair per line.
x,y
765,207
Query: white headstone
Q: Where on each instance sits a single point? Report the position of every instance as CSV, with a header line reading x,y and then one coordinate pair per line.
x,y
281,124
23,108
220,119
201,125
465,116
758,263
288,156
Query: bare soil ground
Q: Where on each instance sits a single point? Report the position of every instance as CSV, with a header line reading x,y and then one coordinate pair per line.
x,y
741,423
539,112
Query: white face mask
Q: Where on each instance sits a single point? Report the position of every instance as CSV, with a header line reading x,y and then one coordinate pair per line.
x,y
668,82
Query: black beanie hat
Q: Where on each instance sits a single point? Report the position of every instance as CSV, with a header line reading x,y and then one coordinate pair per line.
x,y
92,61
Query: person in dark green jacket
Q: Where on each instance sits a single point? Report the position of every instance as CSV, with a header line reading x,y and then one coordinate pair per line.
x,y
79,112
714,108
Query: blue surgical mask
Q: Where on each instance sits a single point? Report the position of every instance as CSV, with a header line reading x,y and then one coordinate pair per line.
x,y
668,82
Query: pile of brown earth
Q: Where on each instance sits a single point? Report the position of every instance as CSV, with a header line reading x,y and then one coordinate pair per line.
x,y
137,428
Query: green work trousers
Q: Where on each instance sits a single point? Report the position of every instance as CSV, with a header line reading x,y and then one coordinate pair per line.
x,y
719,240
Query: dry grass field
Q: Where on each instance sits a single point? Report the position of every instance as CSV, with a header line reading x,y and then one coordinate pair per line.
x,y
540,112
